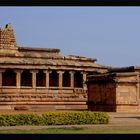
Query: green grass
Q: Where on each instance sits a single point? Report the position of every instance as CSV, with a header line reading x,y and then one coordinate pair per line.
x,y
78,130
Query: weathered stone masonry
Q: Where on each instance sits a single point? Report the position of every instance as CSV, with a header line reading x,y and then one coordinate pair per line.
x,y
41,78
118,90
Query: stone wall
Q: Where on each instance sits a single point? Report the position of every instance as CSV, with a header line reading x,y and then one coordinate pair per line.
x,y
117,92
42,99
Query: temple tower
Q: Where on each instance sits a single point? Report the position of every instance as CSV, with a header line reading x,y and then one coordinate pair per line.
x,y
7,38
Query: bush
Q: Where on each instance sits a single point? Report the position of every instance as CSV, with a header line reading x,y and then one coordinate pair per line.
x,y
8,120
55,118
29,119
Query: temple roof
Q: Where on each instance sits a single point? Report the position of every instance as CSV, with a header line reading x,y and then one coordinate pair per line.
x,y
121,69
48,50
13,54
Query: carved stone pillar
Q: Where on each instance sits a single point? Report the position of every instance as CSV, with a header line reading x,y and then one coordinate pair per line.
x,y
47,78
84,80
60,78
72,79
18,78
1,71
34,77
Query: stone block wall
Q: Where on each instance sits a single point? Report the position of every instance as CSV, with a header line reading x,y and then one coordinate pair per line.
x,y
117,92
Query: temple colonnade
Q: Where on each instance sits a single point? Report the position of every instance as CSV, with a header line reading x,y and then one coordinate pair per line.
x,y
42,78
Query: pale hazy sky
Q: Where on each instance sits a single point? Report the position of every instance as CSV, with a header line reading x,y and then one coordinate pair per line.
x,y
110,34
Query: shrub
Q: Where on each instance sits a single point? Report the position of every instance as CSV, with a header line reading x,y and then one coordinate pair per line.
x,y
8,120
29,119
55,118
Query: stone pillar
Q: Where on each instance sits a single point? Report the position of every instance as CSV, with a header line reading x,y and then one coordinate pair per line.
x,y
72,79
47,77
60,78
138,86
34,77
1,71
84,80
18,78
84,76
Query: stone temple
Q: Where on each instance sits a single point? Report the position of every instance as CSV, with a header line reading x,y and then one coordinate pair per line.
x,y
42,78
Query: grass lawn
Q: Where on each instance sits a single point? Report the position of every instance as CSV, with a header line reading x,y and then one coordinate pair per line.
x,y
78,130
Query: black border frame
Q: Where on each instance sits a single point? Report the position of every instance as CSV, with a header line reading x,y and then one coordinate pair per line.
x,y
70,136
69,2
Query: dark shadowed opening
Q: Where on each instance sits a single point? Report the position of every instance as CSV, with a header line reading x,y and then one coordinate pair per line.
x,y
54,79
9,78
40,79
66,79
78,80
26,78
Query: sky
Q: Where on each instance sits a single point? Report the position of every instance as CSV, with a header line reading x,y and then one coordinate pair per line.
x,y
109,34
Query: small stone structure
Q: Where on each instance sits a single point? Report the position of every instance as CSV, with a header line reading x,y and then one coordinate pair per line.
x,y
42,78
114,91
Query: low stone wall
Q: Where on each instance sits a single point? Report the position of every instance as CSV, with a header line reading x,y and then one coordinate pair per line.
x,y
54,106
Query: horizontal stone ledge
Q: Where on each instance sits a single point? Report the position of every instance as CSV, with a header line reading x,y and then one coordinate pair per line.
x,y
53,50
41,94
43,100
43,103
40,88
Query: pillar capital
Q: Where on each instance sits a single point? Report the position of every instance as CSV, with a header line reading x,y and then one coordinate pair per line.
x,y
18,71
33,71
47,71
71,72
60,72
84,72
